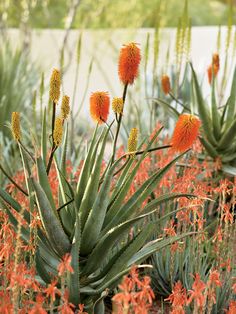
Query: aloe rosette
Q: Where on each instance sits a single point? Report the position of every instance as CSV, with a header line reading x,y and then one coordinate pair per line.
x,y
92,221
218,124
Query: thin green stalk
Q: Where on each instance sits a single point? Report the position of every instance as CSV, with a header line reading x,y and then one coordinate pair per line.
x,y
12,181
27,151
54,147
118,125
53,117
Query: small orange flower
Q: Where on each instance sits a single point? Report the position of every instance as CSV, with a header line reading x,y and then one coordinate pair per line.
x,y
214,278
197,293
129,61
178,298
185,132
165,83
65,265
99,106
232,307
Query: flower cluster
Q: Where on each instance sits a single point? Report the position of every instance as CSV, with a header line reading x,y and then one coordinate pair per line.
x,y
135,296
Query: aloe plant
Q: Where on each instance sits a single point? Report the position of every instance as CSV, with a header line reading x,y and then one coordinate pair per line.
x,y
93,217
17,79
218,124
92,220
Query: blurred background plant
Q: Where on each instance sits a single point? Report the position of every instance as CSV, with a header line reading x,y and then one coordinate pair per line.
x,y
102,13
18,79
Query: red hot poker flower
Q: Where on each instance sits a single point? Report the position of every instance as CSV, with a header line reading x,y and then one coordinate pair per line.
x,y
215,66
165,84
99,106
129,61
185,132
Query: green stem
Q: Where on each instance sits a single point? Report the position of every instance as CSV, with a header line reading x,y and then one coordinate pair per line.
x,y
179,102
53,117
12,181
54,147
119,125
26,150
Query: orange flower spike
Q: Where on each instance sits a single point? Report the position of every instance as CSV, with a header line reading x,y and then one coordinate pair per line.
x,y
185,132
215,66
165,84
99,106
209,74
129,61
216,63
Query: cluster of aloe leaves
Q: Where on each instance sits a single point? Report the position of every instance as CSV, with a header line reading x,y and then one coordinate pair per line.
x,y
93,219
218,134
218,124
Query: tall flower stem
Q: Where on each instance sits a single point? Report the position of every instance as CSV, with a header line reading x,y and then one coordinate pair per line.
x,y
53,144
54,147
27,151
12,181
53,116
119,124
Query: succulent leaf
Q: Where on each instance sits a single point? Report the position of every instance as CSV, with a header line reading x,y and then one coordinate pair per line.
x,y
51,223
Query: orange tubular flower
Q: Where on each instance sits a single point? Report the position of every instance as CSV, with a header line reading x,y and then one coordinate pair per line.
x,y
129,61
185,132
165,83
99,106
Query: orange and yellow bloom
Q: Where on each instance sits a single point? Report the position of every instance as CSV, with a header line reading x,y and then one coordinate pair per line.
x,y
129,61
185,132
99,106
165,84
215,66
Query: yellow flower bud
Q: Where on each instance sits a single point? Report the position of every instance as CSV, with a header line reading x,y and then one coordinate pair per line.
x,y
58,132
55,83
117,105
65,107
15,126
133,141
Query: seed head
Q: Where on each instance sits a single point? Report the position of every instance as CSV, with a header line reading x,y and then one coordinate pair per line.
x,y
65,107
58,131
117,105
129,61
165,83
133,140
185,132
55,83
15,126
99,106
